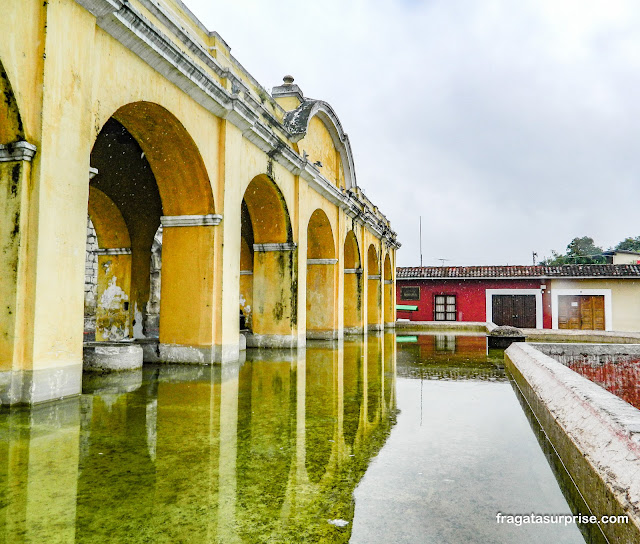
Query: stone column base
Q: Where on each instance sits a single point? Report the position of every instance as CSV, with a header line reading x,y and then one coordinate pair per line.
x,y
111,356
33,386
353,330
390,325
323,335
179,354
375,327
273,341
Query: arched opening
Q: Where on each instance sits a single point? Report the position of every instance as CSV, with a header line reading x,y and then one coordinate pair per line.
x,y
352,285
389,295
149,168
14,175
321,264
107,271
268,260
374,294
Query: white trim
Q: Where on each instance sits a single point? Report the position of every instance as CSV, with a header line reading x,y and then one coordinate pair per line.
x,y
537,292
114,251
93,172
288,246
374,276
18,151
353,270
388,282
322,261
246,272
608,308
211,219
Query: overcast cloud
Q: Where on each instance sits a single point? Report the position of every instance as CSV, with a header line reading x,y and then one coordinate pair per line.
x,y
510,127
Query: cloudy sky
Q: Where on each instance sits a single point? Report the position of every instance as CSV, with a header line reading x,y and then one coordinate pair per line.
x,y
510,127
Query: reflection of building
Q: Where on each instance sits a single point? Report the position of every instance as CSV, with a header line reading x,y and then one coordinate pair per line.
x,y
152,122
590,297
265,451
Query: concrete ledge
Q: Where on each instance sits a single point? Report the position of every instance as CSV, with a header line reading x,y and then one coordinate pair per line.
x,y
348,331
111,356
559,335
150,349
375,327
476,326
390,325
322,335
179,354
596,434
272,341
34,386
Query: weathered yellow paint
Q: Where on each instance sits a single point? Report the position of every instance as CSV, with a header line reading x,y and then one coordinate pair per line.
x,y
374,295
112,304
320,147
203,161
186,313
389,291
111,230
353,291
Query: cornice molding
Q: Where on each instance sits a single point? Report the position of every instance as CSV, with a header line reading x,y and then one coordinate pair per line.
x,y
18,151
209,220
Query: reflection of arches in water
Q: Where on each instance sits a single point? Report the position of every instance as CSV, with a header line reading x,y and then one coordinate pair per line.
x,y
352,390
320,404
389,370
374,377
266,444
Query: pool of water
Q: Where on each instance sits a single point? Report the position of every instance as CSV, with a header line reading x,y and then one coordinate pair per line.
x,y
374,441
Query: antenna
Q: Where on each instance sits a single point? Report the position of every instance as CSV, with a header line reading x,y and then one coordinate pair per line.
x,y
420,241
442,261
534,255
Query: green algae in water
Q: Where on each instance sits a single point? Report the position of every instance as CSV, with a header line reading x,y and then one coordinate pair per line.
x,y
265,451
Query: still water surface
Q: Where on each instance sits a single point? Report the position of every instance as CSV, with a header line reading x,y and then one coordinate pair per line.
x,y
367,442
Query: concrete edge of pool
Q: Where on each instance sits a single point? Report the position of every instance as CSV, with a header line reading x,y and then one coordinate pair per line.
x,y
595,433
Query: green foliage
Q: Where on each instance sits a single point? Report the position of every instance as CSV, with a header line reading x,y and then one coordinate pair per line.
x,y
579,251
629,244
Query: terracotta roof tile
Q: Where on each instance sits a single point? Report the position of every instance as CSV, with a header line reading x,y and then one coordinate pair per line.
x,y
518,271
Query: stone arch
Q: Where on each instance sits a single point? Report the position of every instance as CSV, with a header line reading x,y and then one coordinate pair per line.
x,y
321,265
374,294
267,233
151,168
352,285
109,318
298,120
389,295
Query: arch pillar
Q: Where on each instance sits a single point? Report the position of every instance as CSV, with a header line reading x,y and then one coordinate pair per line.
x,y
15,170
275,306
389,294
374,291
187,289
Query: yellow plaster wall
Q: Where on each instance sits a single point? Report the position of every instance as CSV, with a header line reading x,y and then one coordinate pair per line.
x,y
114,288
625,299
319,145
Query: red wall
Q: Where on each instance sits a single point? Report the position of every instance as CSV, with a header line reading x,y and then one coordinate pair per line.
x,y
470,297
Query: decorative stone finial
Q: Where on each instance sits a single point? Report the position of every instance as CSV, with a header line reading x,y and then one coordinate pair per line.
x,y
288,80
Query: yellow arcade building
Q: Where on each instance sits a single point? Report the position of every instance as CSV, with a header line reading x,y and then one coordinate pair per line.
x,y
130,121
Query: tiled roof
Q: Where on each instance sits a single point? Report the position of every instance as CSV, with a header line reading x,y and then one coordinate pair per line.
x,y
539,271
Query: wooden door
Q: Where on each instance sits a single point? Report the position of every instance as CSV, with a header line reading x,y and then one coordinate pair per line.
x,y
514,310
585,312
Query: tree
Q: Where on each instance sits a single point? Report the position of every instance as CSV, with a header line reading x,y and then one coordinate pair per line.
x,y
579,251
629,244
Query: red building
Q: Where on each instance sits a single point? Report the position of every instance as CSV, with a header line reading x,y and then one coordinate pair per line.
x,y
570,296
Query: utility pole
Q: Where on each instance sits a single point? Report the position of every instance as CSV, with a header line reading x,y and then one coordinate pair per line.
x,y
420,241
